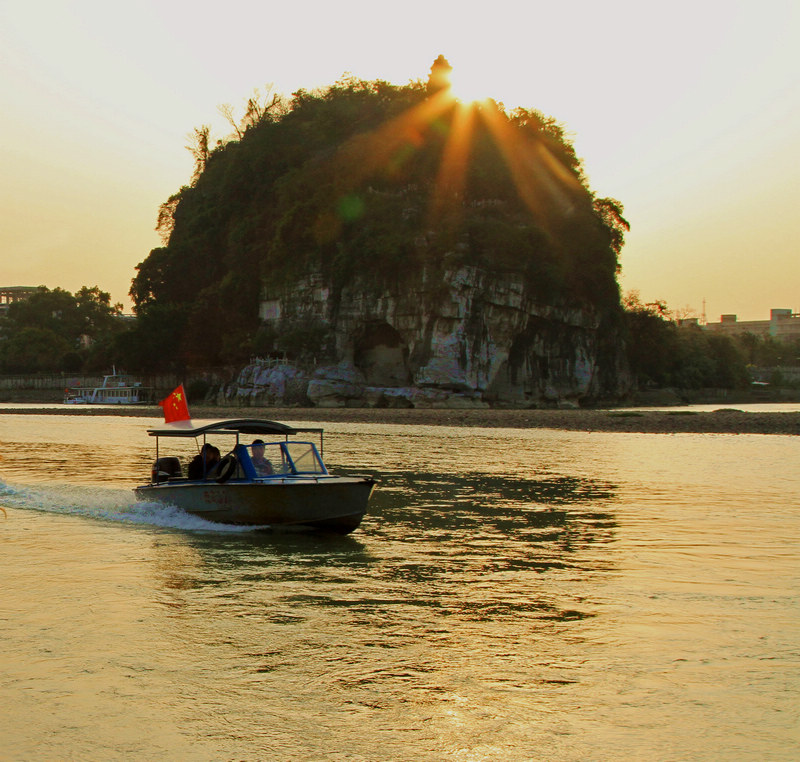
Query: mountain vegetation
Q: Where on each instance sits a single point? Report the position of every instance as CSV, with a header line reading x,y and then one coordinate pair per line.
x,y
372,179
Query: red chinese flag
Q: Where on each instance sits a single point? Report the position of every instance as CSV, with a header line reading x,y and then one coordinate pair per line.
x,y
175,406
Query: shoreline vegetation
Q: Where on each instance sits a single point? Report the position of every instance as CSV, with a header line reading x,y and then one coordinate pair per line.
x,y
726,420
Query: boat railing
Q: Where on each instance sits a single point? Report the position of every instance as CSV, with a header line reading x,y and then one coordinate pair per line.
x,y
268,362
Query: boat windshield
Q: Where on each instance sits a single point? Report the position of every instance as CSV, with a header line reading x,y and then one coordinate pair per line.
x,y
281,458
305,457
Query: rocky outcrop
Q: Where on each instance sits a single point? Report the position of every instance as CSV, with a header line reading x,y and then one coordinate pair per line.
x,y
266,383
468,339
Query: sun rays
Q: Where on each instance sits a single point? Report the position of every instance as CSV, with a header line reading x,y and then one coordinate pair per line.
x,y
451,178
544,184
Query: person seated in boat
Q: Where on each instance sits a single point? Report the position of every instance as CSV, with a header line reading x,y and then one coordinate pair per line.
x,y
262,465
204,463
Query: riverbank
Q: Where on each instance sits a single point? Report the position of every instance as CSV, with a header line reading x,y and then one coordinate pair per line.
x,y
722,421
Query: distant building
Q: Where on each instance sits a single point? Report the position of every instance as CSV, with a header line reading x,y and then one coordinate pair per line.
x,y
11,294
782,324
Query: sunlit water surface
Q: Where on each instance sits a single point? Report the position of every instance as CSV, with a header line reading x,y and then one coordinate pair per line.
x,y
512,595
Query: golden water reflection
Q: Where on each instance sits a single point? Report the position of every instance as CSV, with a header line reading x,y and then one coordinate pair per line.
x,y
510,595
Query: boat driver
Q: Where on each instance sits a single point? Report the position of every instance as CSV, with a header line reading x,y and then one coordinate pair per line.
x,y
262,465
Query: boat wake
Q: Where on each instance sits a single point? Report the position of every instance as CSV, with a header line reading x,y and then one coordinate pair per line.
x,y
107,504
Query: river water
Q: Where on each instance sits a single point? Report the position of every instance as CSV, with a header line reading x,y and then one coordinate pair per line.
x,y
511,595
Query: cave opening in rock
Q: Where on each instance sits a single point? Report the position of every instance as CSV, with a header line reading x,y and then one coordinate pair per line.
x,y
380,353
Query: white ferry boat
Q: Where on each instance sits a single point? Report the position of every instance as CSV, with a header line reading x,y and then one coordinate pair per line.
x,y
116,389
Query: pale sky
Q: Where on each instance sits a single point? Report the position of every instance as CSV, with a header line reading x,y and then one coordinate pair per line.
x,y
686,112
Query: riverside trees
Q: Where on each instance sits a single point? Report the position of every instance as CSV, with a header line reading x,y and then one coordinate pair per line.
x,y
54,331
662,353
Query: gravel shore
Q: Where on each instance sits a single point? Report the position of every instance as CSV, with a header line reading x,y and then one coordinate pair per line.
x,y
722,421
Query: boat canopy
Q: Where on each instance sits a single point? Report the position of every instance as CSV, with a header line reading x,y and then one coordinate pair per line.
x,y
229,426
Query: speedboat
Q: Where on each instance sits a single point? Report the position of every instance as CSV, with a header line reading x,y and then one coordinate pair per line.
x,y
275,481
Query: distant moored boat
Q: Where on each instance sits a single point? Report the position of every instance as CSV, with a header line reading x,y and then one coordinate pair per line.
x,y
116,389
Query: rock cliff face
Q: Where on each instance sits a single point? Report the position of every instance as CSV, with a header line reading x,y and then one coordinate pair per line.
x,y
471,338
